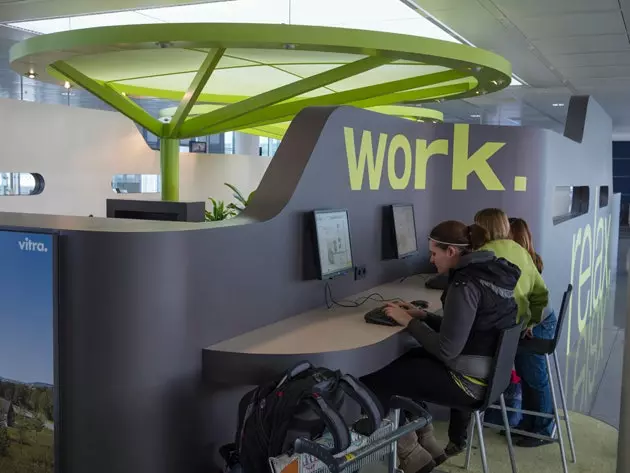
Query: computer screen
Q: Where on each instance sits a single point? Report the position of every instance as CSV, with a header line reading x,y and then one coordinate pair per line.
x,y
333,242
405,230
28,407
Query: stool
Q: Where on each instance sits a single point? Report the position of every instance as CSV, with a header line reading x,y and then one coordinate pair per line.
x,y
498,382
548,348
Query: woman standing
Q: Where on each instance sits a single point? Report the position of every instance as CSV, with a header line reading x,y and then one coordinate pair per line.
x,y
532,368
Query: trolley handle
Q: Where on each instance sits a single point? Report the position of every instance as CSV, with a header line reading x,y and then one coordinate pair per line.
x,y
320,452
410,406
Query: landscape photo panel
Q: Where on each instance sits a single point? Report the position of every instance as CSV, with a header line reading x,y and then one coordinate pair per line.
x,y
27,355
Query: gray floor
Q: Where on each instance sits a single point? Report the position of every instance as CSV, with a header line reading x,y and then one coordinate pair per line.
x,y
608,398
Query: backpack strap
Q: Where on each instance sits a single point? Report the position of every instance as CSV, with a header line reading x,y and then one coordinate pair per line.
x,y
335,424
294,372
365,398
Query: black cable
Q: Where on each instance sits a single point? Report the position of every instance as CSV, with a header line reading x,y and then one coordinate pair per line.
x,y
331,302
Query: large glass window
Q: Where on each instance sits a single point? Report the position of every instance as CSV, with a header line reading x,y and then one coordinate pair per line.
x,y
228,145
268,146
136,183
21,183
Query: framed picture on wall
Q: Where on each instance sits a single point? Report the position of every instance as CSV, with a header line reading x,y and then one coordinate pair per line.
x,y
198,147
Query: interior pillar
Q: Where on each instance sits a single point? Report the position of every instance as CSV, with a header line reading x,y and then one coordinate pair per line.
x,y
169,167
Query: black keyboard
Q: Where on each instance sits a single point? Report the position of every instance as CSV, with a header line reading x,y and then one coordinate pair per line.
x,y
379,317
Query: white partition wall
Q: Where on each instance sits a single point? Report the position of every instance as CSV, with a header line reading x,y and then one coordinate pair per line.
x,y
78,151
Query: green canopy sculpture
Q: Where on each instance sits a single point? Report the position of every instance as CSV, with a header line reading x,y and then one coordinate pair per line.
x,y
277,130
261,73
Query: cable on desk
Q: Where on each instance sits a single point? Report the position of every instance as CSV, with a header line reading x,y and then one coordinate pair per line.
x,y
331,302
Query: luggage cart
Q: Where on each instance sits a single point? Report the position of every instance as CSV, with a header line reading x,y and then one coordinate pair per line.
x,y
380,445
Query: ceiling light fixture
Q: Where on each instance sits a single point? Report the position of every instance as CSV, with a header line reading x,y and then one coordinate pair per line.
x,y
475,115
31,74
558,105
67,85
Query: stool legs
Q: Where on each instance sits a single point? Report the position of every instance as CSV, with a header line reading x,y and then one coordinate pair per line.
x,y
482,444
557,418
471,438
508,435
564,405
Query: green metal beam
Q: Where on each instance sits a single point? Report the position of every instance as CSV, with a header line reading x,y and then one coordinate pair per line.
x,y
108,95
260,102
194,90
414,96
169,167
387,92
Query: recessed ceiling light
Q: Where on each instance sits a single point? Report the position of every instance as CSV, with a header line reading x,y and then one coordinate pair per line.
x,y
31,74
67,85
558,105
475,115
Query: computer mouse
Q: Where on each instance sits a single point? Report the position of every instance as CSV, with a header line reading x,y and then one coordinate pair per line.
x,y
420,304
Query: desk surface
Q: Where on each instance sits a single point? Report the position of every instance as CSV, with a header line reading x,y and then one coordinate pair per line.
x,y
325,330
338,337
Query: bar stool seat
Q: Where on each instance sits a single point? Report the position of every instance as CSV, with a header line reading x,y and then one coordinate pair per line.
x,y
547,348
497,384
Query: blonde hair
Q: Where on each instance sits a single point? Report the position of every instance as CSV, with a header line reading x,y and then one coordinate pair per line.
x,y
495,221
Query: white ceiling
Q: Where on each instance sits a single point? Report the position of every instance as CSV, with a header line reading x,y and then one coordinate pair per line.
x,y
19,10
558,47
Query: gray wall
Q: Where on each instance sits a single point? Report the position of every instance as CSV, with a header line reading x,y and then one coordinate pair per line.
x,y
140,300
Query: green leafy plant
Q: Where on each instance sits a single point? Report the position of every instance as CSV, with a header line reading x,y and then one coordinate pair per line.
x,y
242,201
219,211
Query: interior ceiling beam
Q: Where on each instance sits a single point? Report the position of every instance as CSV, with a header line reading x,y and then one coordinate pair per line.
x,y
39,10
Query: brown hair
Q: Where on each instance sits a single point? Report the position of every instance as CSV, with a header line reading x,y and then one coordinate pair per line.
x,y
520,233
495,221
460,235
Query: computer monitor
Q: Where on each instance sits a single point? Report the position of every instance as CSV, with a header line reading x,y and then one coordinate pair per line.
x,y
399,232
332,237
405,230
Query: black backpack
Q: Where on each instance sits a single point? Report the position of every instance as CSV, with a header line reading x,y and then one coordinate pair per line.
x,y
303,403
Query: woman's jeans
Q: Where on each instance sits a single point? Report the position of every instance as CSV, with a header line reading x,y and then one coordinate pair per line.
x,y
535,382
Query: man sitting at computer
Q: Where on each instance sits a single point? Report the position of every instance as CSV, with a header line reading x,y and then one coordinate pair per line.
x,y
453,365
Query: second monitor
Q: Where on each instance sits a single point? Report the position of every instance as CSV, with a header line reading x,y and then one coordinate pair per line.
x,y
399,231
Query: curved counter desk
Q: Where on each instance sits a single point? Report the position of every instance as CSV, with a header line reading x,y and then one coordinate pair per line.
x,y
337,338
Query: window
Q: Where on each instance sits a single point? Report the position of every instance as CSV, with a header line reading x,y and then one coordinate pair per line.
x,y
228,144
21,183
136,183
570,202
603,196
268,146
